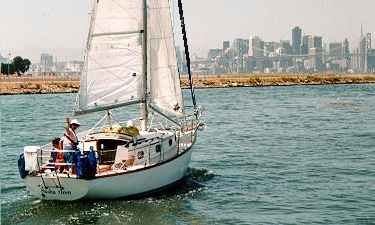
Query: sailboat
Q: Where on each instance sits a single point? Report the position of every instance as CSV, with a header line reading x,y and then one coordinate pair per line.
x,y
130,60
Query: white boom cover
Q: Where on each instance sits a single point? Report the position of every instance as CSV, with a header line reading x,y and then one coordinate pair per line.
x,y
164,77
113,64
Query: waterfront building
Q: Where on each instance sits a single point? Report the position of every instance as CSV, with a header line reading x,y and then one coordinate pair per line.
x,y
355,60
240,49
315,61
270,48
240,46
226,46
296,40
369,41
256,47
214,53
46,63
371,61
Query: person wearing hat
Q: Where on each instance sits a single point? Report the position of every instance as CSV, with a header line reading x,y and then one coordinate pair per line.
x,y
70,141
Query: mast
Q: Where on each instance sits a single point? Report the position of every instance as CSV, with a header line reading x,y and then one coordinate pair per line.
x,y
144,109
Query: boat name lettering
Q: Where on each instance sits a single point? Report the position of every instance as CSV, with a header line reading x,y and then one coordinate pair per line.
x,y
55,192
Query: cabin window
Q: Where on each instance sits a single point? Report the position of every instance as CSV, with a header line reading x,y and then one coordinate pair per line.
x,y
158,148
170,142
140,155
107,150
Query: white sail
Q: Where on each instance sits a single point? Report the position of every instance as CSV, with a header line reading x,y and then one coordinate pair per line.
x,y
163,78
113,64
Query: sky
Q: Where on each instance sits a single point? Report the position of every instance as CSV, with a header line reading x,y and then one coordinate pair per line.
x,y
60,27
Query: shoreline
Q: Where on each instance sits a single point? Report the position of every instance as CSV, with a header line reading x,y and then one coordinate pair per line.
x,y
63,85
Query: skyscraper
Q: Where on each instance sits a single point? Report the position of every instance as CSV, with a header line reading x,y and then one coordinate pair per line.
x,y
240,47
318,42
346,53
296,40
256,48
336,50
363,51
346,49
305,45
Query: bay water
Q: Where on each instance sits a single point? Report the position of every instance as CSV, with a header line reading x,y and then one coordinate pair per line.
x,y
271,155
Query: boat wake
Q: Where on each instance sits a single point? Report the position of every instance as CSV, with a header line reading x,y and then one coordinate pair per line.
x,y
201,175
193,183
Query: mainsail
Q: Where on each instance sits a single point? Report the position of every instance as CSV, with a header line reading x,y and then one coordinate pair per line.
x,y
113,74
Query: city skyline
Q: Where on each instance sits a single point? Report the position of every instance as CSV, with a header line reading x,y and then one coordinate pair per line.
x,y
60,28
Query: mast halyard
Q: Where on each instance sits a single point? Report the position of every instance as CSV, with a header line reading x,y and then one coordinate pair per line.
x,y
144,108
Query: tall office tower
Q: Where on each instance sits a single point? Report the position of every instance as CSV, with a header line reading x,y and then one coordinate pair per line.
x,y
318,42
226,46
296,40
346,49
336,50
240,47
256,47
285,44
346,54
305,45
363,51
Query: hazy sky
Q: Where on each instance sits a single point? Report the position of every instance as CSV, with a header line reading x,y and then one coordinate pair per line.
x,y
29,27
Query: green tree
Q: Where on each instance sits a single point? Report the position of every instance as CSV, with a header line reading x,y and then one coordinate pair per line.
x,y
7,68
26,64
21,65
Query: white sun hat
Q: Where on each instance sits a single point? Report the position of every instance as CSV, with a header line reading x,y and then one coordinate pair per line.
x,y
74,121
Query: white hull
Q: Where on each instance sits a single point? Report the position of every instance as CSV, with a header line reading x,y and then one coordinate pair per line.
x,y
140,182
118,186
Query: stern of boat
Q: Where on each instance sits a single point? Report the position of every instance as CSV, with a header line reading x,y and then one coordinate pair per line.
x,y
56,188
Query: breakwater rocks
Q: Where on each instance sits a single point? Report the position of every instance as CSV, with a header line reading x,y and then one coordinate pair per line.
x,y
15,86
278,80
51,85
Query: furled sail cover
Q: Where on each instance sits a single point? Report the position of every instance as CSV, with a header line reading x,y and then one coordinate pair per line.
x,y
164,77
113,65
